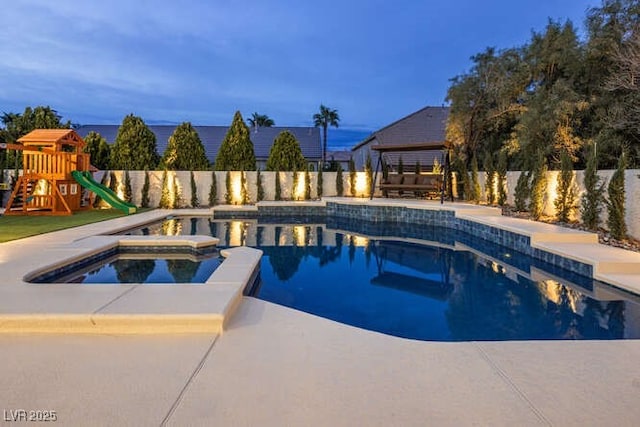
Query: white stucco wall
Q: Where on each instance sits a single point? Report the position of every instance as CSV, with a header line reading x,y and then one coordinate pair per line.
x,y
632,192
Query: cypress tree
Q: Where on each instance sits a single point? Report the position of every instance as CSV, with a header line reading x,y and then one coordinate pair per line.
x,y
594,192
278,195
320,183
113,182
501,176
615,205
227,183
352,177
400,166
244,193
236,151
127,187
418,167
475,184
213,190
285,153
307,185
145,191
185,150
339,181
521,195
294,184
175,203
565,203
368,170
490,179
260,188
538,188
135,146
164,203
194,192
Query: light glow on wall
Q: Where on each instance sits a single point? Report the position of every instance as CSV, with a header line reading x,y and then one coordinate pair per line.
x,y
236,187
362,186
298,192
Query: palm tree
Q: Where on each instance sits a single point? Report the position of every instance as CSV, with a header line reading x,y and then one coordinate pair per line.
x,y
325,118
260,120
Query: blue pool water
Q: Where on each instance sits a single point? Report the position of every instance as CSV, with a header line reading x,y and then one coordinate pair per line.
x,y
139,268
456,288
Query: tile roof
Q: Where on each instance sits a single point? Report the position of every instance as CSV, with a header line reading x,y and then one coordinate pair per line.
x,y
425,125
212,136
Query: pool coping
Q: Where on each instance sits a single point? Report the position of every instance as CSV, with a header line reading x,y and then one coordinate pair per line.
x,y
144,309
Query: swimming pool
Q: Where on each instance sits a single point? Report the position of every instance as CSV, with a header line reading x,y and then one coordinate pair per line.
x,y
420,282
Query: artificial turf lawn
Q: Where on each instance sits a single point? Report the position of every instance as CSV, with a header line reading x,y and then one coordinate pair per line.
x,y
18,226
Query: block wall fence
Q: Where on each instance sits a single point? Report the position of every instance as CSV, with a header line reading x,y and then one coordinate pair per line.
x,y
203,183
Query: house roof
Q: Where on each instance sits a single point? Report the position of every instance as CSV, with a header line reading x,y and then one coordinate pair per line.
x,y
425,125
212,136
339,156
51,137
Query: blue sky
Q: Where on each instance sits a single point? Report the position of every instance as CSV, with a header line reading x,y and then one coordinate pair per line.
x,y
200,61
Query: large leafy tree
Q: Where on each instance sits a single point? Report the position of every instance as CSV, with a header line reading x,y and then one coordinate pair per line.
x,y
98,149
486,104
260,120
285,154
613,33
552,121
185,150
236,151
17,125
135,146
325,118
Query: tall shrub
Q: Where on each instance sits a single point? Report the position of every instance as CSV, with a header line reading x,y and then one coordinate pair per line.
x,y
278,195
538,188
127,196
615,204
521,195
565,203
194,191
259,186
144,197
368,171
594,192
227,184
113,182
236,151
177,196
339,181
164,203
400,165
244,192
307,185
475,183
213,190
501,177
320,183
490,181
352,177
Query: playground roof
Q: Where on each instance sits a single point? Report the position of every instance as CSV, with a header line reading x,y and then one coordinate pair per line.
x,y
52,137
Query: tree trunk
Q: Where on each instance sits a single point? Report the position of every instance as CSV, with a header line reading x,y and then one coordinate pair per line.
x,y
324,149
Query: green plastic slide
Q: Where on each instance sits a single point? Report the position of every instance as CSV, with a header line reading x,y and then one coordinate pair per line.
x,y
85,179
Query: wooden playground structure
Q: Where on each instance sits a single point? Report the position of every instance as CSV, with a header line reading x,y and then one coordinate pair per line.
x,y
46,186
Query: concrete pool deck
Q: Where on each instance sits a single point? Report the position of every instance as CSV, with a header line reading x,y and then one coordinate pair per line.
x,y
277,366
